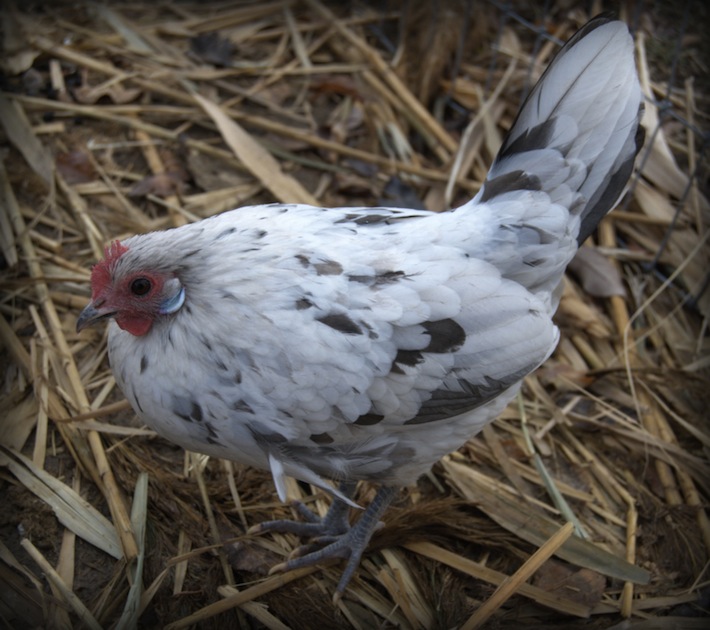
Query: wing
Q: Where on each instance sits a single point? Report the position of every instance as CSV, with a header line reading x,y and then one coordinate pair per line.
x,y
355,329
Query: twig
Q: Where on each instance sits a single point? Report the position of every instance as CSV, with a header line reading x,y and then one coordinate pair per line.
x,y
509,587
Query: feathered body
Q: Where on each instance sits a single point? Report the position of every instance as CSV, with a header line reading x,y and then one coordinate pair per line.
x,y
346,349
366,343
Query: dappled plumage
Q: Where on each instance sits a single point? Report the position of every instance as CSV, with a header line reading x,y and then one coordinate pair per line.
x,y
366,343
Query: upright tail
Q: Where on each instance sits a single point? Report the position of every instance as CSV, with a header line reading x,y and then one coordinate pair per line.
x,y
568,155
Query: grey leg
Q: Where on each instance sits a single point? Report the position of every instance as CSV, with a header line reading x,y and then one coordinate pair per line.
x,y
350,544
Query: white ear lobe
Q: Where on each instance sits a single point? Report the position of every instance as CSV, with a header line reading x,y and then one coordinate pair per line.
x,y
175,293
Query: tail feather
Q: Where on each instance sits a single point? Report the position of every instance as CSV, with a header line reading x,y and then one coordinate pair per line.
x,y
576,136
605,196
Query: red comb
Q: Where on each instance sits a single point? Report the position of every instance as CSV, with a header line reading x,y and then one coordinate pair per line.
x,y
114,251
101,272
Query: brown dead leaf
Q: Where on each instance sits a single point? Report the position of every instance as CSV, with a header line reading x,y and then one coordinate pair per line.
x,y
583,586
250,557
20,419
346,118
597,275
75,167
428,26
333,84
277,94
20,133
210,173
16,53
575,311
18,62
172,181
117,94
255,157
160,185
173,163
563,377
354,185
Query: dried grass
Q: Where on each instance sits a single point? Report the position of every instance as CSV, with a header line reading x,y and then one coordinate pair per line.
x,y
115,124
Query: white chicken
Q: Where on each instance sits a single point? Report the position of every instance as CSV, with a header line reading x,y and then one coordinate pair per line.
x,y
365,343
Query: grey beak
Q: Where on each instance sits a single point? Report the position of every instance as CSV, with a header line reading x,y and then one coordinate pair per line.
x,y
90,315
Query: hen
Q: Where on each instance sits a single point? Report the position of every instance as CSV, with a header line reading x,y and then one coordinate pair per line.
x,y
365,343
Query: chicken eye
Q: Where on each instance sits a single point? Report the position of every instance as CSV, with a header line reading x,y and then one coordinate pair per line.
x,y
141,286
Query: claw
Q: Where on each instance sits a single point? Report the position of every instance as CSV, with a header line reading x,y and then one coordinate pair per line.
x,y
256,529
333,542
278,568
